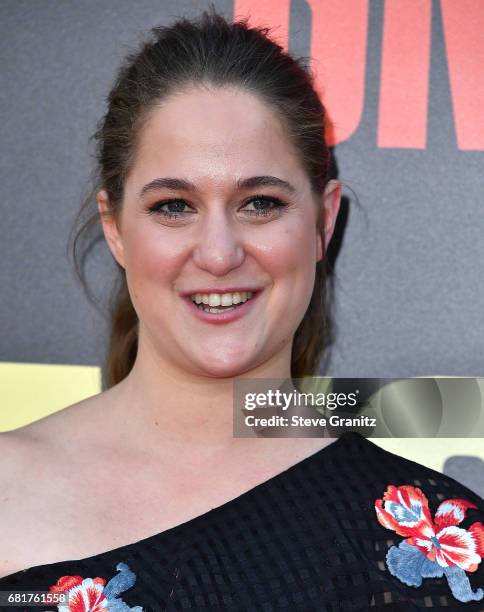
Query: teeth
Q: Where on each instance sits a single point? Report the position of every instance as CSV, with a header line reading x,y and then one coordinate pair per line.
x,y
225,300
214,299
221,299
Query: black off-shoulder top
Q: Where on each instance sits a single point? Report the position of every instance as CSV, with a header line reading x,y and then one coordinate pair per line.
x,y
352,527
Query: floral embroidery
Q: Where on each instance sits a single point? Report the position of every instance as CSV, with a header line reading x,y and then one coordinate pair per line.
x,y
94,595
432,548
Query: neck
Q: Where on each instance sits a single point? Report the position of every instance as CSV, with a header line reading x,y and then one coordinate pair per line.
x,y
160,404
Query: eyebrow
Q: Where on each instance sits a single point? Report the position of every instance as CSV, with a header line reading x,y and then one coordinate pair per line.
x,y
177,184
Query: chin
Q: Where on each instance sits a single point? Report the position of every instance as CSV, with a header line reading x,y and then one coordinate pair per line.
x,y
224,368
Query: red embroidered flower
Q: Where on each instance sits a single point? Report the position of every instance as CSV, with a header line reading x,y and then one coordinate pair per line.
x,y
94,594
85,594
450,550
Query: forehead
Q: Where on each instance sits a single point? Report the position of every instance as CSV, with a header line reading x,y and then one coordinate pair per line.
x,y
214,135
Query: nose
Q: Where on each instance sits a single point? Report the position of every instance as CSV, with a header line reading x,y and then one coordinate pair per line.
x,y
218,249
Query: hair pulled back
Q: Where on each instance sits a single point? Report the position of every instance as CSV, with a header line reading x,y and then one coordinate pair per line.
x,y
205,51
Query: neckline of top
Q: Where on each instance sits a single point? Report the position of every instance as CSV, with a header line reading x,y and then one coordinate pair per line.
x,y
346,438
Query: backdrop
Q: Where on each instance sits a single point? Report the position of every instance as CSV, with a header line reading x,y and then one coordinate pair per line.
x,y
403,84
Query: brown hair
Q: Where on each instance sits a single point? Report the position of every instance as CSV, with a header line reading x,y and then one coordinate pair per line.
x,y
211,51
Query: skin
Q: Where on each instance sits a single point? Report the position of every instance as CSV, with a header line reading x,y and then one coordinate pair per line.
x,y
168,425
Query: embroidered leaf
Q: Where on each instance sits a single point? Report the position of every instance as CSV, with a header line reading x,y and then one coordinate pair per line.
x,y
409,565
460,586
121,582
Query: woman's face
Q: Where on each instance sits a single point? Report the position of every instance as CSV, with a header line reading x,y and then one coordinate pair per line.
x,y
213,228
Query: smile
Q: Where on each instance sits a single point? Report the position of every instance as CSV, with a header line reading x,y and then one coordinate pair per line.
x,y
220,302
222,308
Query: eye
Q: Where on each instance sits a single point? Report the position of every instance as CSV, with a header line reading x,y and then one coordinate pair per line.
x,y
257,206
174,209
263,206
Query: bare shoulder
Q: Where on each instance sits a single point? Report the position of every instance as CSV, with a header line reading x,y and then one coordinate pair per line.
x,y
57,431
16,450
36,469
28,452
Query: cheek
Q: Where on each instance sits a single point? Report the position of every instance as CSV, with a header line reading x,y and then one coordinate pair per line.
x,y
289,252
152,261
288,256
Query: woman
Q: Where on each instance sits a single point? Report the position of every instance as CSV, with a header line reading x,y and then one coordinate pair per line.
x,y
216,204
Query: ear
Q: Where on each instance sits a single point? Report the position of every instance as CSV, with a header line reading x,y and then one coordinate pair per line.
x,y
329,208
110,227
